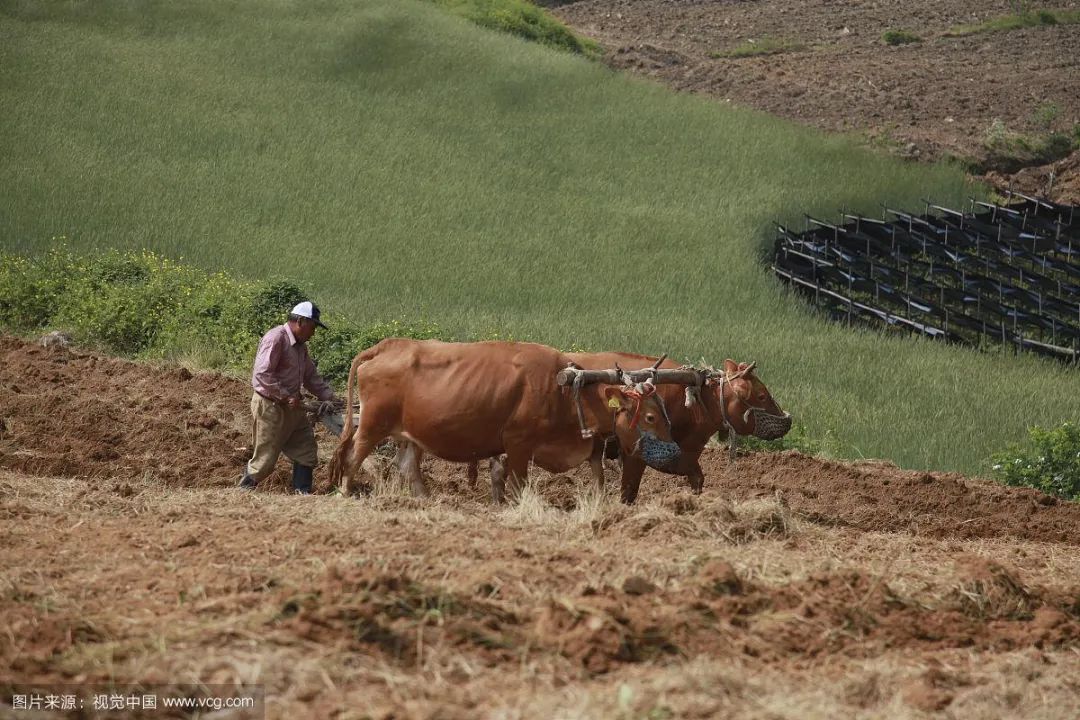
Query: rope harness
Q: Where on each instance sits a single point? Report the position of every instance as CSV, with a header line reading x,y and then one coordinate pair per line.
x,y
733,437
650,382
647,390
586,433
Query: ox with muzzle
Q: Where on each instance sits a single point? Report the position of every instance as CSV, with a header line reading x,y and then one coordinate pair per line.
x,y
730,402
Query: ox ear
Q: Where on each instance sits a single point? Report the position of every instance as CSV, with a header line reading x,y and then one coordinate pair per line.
x,y
730,367
615,397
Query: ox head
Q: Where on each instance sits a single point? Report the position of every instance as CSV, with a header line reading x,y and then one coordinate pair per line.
x,y
745,404
642,425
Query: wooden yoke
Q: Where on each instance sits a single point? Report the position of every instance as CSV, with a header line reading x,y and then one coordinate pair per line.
x,y
693,379
570,375
681,376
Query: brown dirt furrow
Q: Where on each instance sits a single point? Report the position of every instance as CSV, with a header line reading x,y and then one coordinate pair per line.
x,y
387,606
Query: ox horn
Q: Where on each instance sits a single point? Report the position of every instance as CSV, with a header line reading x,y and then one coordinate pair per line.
x,y
744,372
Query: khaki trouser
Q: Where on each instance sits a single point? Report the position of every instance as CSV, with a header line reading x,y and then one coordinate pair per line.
x,y
277,429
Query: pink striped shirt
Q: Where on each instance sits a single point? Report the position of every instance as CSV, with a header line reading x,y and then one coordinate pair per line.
x,y
283,365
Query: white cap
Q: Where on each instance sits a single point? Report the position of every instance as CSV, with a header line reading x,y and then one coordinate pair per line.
x,y
309,310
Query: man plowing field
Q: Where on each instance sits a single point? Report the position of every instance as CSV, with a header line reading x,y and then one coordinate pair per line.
x,y
279,420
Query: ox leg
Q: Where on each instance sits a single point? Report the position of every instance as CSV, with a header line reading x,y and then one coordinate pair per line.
x,y
690,466
697,480
632,470
517,471
596,461
356,449
380,470
354,461
696,474
411,455
472,472
498,479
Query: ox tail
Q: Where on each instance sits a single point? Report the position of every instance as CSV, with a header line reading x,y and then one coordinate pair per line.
x,y
347,433
337,463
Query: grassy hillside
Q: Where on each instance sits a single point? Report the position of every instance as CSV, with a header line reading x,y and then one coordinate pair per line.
x,y
404,162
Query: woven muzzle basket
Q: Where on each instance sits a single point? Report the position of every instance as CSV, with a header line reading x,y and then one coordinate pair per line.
x,y
768,426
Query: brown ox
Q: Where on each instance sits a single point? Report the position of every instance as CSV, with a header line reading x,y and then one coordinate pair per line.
x,y
726,406
466,401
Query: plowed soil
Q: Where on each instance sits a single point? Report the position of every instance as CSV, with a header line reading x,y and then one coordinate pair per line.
x,y
792,587
924,100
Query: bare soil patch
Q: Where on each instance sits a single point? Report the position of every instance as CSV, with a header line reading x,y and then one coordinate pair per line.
x,y
937,97
347,608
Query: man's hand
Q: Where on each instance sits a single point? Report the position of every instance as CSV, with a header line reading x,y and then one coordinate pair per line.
x,y
293,402
333,406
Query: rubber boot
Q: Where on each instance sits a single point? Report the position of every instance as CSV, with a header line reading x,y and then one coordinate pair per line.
x,y
247,483
301,479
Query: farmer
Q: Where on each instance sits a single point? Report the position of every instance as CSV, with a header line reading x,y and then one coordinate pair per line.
x,y
279,423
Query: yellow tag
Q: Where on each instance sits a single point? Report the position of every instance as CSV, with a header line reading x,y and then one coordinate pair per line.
x,y
613,402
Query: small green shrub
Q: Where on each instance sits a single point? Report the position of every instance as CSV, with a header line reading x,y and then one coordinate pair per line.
x,y
215,328
271,302
763,46
143,304
997,134
1045,115
123,300
1050,462
1009,151
521,18
900,37
1055,146
30,291
1016,21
